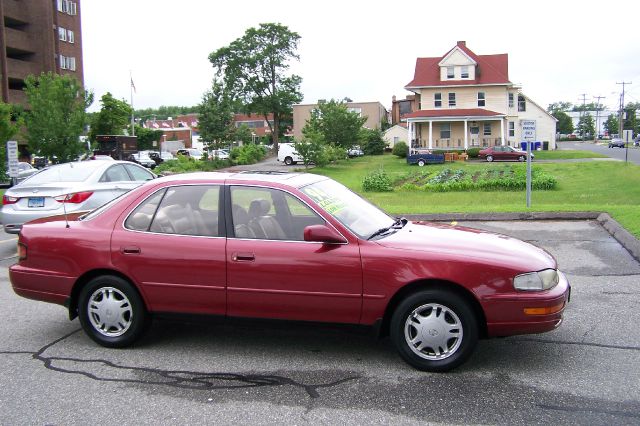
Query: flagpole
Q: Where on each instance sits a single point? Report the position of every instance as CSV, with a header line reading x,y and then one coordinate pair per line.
x,y
133,129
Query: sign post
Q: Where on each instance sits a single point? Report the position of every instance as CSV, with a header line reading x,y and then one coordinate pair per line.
x,y
529,135
12,160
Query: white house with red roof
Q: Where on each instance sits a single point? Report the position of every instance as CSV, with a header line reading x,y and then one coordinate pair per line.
x,y
466,100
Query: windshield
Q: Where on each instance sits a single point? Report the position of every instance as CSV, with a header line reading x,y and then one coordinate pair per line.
x,y
69,172
361,217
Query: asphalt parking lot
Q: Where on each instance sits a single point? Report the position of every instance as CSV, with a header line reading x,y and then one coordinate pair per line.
x,y
585,372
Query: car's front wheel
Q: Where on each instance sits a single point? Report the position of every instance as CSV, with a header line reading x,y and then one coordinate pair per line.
x,y
421,163
288,161
489,158
112,312
434,330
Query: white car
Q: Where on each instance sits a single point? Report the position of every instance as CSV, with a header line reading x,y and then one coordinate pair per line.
x,y
143,159
24,171
68,188
287,154
221,154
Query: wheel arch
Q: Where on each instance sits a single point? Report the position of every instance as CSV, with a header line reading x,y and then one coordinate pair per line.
x,y
444,285
88,276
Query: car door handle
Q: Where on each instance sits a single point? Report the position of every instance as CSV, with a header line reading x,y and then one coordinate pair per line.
x,y
243,257
130,250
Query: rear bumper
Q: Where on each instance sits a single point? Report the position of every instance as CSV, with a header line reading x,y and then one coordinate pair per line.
x,y
38,286
506,313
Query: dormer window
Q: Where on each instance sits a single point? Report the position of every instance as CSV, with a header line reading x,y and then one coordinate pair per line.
x,y
450,72
464,72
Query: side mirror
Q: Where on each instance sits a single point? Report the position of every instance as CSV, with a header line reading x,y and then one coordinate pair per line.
x,y
323,234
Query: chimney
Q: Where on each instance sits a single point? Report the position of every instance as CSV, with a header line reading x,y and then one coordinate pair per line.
x,y
462,43
393,98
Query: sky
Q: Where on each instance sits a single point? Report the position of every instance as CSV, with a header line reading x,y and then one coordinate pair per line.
x,y
364,50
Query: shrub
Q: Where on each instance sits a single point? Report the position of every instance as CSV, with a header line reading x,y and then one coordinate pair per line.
x,y
248,154
184,164
377,181
473,152
400,149
372,141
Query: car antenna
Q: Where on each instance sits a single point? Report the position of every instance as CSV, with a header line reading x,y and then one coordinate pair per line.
x,y
64,208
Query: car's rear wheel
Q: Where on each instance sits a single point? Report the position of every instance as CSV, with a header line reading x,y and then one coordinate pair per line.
x,y
434,330
521,158
112,312
421,163
288,161
489,158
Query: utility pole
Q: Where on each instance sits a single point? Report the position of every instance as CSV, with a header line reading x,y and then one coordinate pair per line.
x,y
582,113
621,124
597,115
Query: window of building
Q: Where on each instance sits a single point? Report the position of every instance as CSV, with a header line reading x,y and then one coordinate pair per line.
x,y
68,7
452,99
445,130
356,110
62,34
71,63
71,38
464,72
437,100
510,100
450,72
63,62
67,63
512,129
522,104
62,5
486,129
481,99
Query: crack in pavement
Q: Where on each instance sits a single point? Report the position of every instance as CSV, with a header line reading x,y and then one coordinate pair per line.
x,y
567,342
194,380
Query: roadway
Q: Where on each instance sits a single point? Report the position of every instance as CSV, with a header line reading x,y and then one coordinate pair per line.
x,y
601,148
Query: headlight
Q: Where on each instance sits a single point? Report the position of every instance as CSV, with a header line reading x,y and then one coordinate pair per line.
x,y
536,281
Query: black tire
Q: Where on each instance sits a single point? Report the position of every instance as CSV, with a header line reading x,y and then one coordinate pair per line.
x,y
521,158
444,309
103,323
489,158
288,161
421,163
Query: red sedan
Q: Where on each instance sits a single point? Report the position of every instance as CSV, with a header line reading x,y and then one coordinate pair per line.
x,y
287,246
503,153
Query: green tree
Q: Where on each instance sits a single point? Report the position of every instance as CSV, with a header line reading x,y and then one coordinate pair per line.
x,y
612,124
560,106
586,126
335,123
58,115
215,121
373,142
146,138
10,123
312,149
564,124
400,149
591,106
630,120
243,133
254,66
113,118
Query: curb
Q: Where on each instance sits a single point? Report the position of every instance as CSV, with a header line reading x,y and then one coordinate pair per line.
x,y
624,237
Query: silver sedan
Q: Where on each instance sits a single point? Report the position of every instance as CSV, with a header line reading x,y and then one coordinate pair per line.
x,y
69,187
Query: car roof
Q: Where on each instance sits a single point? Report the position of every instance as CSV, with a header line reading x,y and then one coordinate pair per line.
x,y
295,180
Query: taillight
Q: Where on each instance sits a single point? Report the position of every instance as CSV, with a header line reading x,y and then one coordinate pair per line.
x,y
7,199
74,198
22,251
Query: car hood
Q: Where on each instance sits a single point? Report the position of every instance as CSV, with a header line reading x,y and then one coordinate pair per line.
x,y
470,244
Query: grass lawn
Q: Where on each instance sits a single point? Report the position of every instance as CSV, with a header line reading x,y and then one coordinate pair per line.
x,y
605,186
566,154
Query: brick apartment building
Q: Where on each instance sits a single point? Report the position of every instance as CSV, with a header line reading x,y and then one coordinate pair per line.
x,y
38,36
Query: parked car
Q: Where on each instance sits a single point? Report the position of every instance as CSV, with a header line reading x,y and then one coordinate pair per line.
x,y
422,157
287,246
616,143
143,159
220,154
24,171
355,151
287,154
194,153
68,187
160,156
503,153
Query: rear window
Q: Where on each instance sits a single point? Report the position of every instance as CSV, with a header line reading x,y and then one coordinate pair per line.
x,y
70,172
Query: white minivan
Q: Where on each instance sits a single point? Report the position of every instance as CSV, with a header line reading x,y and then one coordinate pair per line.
x,y
287,153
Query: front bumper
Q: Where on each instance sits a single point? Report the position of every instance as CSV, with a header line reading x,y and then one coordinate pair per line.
x,y
506,312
